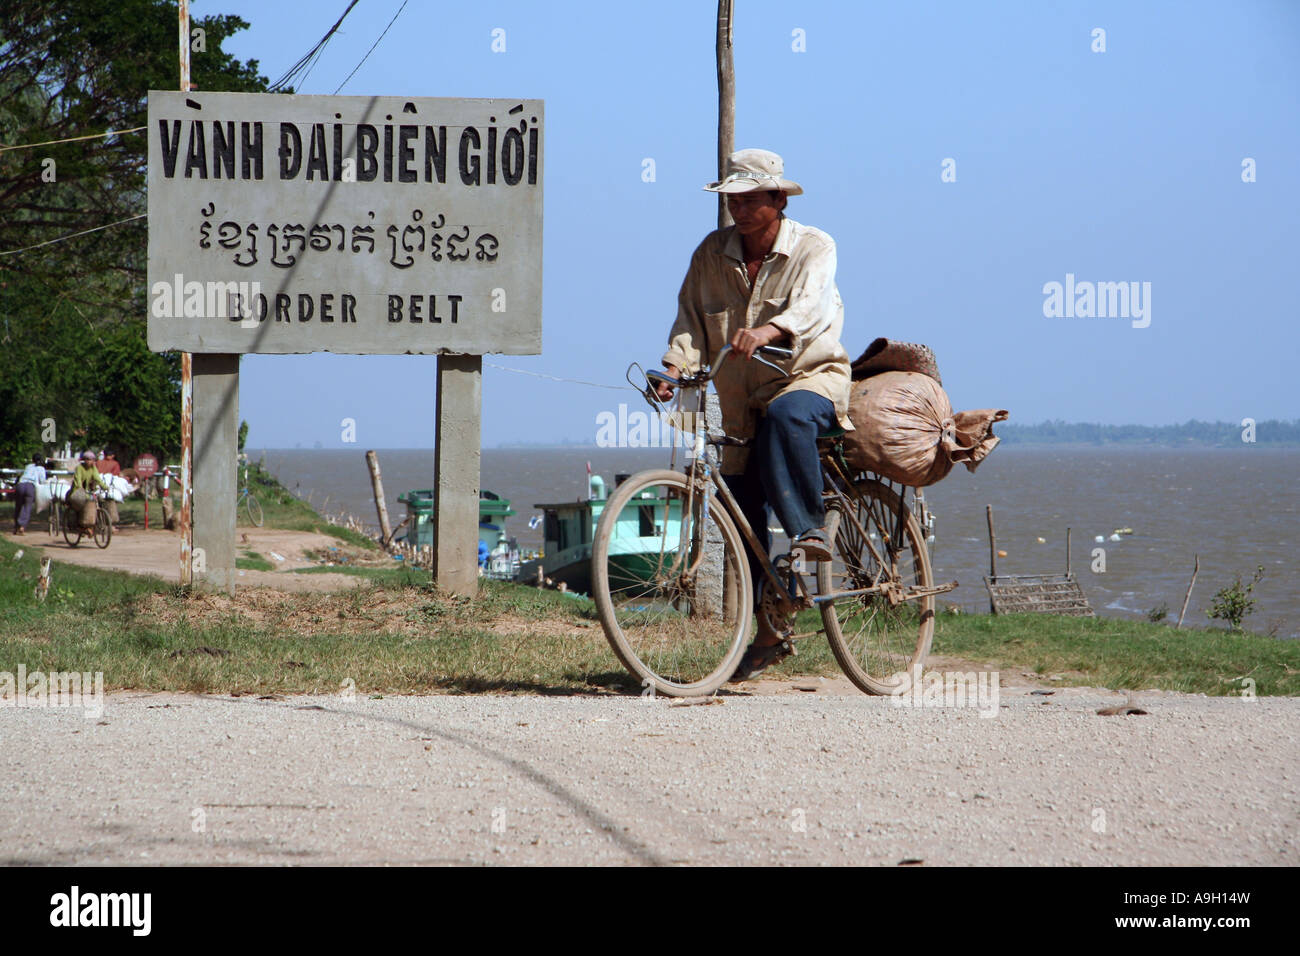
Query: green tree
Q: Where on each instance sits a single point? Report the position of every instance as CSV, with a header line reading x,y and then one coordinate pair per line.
x,y
72,314
73,68
70,379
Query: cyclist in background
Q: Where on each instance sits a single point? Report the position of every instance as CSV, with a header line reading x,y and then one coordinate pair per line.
x,y
86,480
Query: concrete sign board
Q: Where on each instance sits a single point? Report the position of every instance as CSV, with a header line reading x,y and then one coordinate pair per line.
x,y
365,225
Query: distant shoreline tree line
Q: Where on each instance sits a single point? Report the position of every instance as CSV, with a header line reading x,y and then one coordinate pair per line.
x,y
1189,434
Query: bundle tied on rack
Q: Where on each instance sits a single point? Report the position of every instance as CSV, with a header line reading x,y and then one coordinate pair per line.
x,y
904,426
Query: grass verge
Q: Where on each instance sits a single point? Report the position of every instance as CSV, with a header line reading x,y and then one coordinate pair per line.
x,y
252,561
395,635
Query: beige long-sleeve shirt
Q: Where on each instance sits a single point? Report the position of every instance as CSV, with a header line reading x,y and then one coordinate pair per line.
x,y
794,291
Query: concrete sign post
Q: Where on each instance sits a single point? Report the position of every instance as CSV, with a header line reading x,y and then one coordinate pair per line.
x,y
456,460
364,225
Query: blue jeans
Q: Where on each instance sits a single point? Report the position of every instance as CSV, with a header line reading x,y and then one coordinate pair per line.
x,y
784,471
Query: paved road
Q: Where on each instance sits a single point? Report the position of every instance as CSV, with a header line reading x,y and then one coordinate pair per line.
x,y
786,778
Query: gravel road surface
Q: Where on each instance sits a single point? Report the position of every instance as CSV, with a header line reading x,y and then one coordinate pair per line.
x,y
786,778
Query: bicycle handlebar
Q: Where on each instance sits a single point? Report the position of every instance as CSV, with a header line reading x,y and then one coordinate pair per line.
x,y
707,374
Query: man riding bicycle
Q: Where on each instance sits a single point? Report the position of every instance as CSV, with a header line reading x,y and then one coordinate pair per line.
x,y
86,480
767,280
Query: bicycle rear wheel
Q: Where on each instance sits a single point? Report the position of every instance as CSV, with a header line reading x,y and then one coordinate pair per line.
x,y
671,584
71,522
880,644
254,510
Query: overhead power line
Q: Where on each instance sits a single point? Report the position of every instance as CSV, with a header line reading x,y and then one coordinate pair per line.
x,y
308,59
84,232
73,139
554,378
373,45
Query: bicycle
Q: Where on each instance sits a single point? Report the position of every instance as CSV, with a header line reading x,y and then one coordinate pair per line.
x,y
671,579
71,523
250,503
56,518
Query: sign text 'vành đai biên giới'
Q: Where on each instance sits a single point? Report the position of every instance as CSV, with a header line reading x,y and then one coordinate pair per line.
x,y
365,225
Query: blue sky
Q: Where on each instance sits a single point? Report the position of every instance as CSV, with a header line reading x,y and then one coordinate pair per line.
x,y
1123,165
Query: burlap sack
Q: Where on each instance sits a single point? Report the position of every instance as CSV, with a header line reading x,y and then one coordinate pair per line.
x,y
84,507
905,429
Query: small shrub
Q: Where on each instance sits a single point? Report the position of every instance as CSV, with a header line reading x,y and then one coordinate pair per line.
x,y
1158,613
1234,602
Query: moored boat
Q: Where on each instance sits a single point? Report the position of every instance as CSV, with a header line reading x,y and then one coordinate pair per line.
x,y
569,527
498,553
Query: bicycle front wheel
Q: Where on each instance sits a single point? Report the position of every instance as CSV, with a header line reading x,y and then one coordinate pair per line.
x,y
882,637
254,510
671,584
103,528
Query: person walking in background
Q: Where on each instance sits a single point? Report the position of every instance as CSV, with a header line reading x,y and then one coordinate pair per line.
x,y
107,465
25,493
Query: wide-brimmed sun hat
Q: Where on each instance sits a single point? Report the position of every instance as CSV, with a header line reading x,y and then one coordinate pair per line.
x,y
752,170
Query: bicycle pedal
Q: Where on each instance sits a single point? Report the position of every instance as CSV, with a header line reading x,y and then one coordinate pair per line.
x,y
794,560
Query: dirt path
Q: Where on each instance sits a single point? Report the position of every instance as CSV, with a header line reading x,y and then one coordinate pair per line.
x,y
157,552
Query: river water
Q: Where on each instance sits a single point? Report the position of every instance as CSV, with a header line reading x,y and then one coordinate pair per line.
x,y
1235,508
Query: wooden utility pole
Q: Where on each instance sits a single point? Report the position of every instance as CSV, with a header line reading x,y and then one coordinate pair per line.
x,y
726,102
187,368
718,593
209,469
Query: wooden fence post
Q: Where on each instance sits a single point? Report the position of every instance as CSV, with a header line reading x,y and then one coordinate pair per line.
x,y
1196,568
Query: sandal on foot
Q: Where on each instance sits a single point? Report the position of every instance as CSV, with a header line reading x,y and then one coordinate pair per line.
x,y
815,544
758,659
